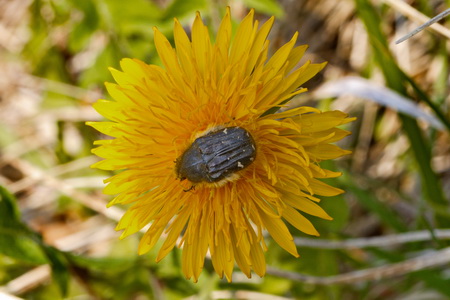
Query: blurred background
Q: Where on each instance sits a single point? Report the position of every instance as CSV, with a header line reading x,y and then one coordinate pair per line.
x,y
389,237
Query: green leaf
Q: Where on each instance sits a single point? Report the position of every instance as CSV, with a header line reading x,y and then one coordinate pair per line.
x,y
374,205
101,263
181,8
435,280
109,57
16,240
399,81
20,242
59,266
424,97
85,27
122,13
338,210
269,7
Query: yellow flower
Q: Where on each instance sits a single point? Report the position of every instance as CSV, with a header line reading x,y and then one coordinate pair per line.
x,y
204,92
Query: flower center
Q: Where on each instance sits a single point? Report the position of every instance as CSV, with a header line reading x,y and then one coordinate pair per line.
x,y
217,155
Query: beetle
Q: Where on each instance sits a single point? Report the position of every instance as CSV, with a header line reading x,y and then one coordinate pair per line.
x,y
217,155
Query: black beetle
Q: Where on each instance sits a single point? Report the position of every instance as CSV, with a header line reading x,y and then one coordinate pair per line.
x,y
216,155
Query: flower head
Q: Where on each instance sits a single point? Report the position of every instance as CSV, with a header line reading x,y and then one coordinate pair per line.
x,y
203,161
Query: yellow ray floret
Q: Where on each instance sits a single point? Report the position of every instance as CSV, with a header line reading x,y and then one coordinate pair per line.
x,y
203,88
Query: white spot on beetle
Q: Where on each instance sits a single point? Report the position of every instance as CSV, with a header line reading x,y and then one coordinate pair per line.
x,y
251,158
253,147
225,130
240,165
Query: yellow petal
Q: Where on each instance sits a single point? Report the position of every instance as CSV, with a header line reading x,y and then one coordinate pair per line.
x,y
132,68
167,55
323,121
279,59
306,206
326,151
243,39
295,56
279,233
108,128
299,221
258,44
323,189
149,239
223,39
201,44
241,252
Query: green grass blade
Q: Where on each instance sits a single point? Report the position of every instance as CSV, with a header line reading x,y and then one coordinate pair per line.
x,y
397,80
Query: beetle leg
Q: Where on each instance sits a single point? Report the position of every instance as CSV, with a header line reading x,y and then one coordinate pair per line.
x,y
190,189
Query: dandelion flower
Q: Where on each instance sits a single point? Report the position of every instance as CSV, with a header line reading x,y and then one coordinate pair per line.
x,y
201,157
